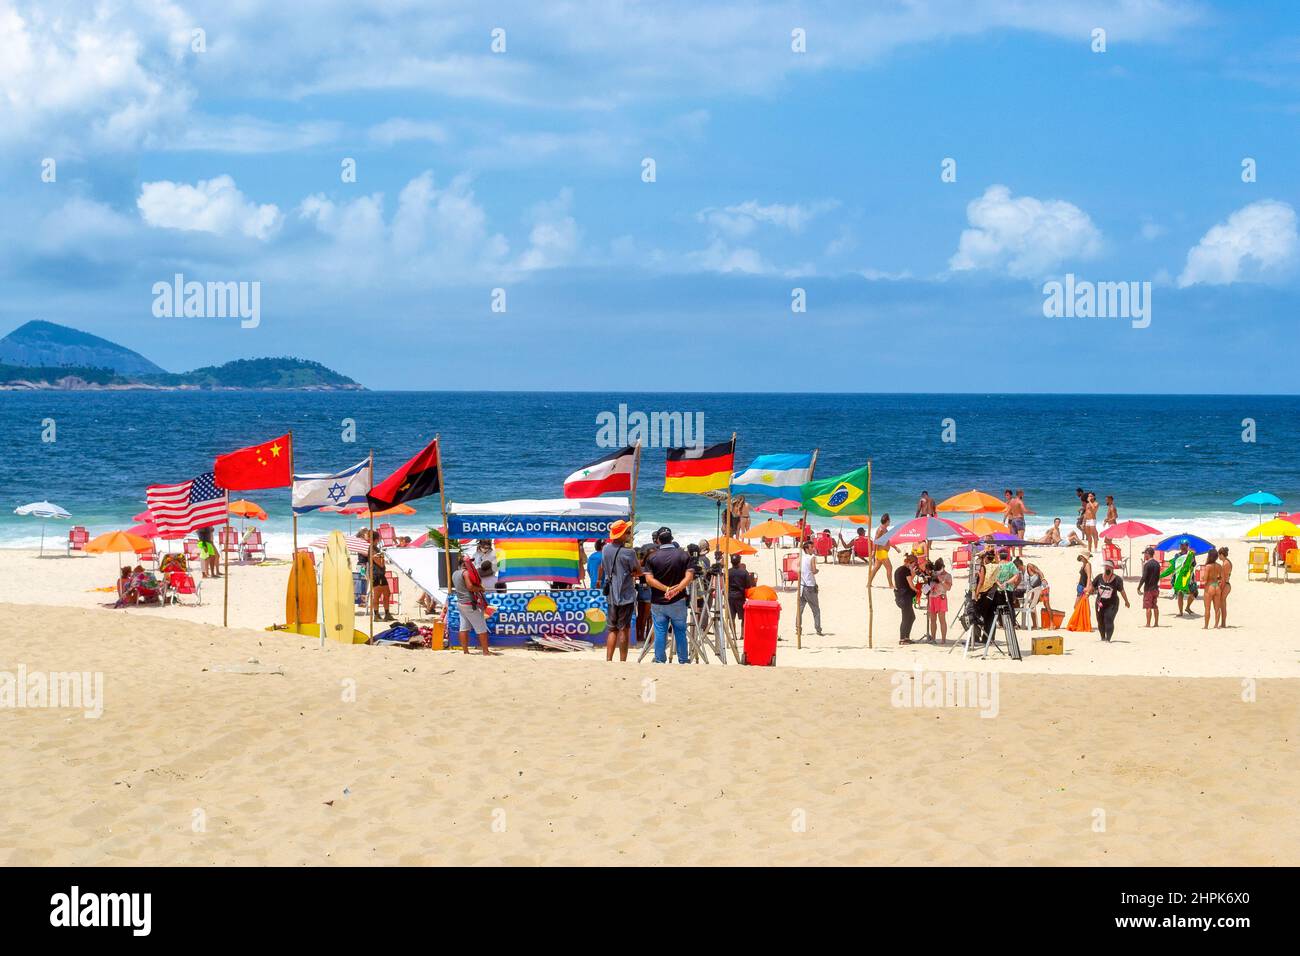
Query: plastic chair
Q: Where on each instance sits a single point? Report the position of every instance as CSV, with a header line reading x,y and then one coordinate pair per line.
x,y
387,536
229,539
1258,563
961,558
790,569
1166,584
178,583
77,538
394,589
191,549
253,547
1292,563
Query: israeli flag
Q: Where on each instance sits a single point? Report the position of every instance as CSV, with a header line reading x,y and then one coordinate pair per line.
x,y
347,487
773,476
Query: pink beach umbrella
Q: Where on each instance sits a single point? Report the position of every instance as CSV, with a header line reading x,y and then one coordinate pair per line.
x,y
1130,530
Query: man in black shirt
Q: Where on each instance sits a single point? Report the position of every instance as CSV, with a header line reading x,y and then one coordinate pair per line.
x,y
903,593
1149,587
668,572
739,580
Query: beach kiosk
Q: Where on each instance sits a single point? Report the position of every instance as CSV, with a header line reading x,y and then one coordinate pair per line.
x,y
537,540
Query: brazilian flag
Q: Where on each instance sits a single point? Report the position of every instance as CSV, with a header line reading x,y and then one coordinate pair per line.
x,y
837,497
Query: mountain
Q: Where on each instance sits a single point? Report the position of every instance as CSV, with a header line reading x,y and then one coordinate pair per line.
x,y
43,355
45,344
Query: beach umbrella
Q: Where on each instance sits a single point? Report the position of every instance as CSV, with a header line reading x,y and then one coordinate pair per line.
x,y
778,506
1293,517
355,545
983,526
773,529
44,510
730,545
1195,543
1130,530
145,515
1259,499
973,502
1273,528
145,529
247,509
927,529
118,542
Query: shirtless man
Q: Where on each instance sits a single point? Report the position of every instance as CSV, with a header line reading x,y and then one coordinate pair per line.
x,y
1090,508
1112,513
1015,515
1225,569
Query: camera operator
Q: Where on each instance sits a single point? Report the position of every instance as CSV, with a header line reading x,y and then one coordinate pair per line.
x,y
905,584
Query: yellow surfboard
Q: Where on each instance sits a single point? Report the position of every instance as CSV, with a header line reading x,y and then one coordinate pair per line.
x,y
300,598
336,590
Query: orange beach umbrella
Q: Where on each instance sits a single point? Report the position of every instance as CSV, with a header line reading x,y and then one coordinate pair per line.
x,y
118,542
773,529
730,545
972,503
247,509
983,526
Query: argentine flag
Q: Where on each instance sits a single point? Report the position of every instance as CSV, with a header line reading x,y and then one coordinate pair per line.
x,y
774,476
347,487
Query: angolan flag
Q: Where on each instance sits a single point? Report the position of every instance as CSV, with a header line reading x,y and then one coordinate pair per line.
x,y
611,473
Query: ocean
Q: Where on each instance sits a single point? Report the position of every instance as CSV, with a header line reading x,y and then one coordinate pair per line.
x,y
1175,461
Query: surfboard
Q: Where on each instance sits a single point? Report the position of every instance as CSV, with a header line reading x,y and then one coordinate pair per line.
x,y
336,587
300,597
313,630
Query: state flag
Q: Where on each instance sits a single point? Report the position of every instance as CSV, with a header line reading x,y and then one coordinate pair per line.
x,y
341,489
613,472
837,497
416,479
258,466
774,476
697,470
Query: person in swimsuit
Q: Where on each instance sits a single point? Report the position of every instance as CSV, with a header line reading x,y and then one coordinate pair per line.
x,y
1085,572
881,557
1213,588
1090,508
1112,513
1015,515
1226,588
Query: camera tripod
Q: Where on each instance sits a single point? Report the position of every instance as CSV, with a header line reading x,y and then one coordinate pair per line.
x,y
1003,614
708,624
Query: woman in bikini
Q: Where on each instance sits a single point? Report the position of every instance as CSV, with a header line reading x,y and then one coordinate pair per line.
x,y
1213,588
882,554
1225,588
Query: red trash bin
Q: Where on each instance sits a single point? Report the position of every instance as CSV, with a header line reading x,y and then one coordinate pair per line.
x,y
761,618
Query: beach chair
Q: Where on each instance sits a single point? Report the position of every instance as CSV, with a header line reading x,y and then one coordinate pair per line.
x,y
229,541
790,569
961,558
387,536
191,549
394,589
77,539
148,558
180,582
253,549
1111,552
1259,563
310,553
1166,584
1292,563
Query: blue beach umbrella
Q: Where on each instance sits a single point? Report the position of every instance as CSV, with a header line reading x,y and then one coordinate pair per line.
x,y
1258,498
1195,543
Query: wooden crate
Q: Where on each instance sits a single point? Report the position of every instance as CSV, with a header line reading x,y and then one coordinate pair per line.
x,y
1049,645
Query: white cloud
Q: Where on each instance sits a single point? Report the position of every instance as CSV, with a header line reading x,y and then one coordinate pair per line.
x,y
1025,237
743,218
1257,241
553,240
211,205
401,130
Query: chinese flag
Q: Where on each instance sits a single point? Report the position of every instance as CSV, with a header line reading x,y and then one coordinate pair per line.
x,y
261,466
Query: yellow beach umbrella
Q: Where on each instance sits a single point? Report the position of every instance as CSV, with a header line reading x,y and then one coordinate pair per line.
x,y
1273,528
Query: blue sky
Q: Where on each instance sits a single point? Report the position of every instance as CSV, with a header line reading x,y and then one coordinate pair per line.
x,y
775,170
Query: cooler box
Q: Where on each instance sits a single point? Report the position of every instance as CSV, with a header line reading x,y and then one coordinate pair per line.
x,y
761,618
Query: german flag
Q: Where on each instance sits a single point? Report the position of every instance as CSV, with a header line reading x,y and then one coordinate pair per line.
x,y
692,471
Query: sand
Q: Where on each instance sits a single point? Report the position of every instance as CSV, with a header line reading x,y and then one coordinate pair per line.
x,y
1173,746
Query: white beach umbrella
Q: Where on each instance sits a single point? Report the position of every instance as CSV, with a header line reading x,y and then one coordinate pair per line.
x,y
43,510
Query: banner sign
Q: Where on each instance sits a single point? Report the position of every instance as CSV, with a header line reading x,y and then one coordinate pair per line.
x,y
519,615
586,527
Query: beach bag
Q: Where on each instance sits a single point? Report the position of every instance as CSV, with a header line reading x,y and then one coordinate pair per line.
x,y
1081,619
609,578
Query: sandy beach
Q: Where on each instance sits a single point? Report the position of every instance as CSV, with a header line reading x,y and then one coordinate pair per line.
x,y
237,745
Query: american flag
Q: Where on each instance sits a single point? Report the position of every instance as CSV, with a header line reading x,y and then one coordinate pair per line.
x,y
182,507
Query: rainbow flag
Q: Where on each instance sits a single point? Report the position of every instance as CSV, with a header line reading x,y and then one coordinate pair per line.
x,y
538,559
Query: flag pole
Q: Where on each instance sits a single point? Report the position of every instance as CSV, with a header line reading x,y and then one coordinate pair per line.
x,y
446,538
293,560
225,577
370,555
636,475
798,591
871,608
726,554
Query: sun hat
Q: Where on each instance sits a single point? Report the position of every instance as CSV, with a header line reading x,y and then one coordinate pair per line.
x,y
618,529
